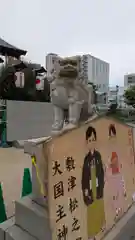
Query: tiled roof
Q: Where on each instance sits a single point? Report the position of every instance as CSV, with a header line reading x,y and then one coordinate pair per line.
x,y
1,60
10,50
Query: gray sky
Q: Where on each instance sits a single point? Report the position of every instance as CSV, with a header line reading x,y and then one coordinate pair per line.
x,y
103,28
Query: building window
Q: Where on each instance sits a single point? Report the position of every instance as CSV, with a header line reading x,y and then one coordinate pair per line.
x,y
93,70
96,68
131,80
103,67
100,67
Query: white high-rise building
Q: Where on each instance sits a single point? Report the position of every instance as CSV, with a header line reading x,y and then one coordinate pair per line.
x,y
91,70
52,61
96,71
129,80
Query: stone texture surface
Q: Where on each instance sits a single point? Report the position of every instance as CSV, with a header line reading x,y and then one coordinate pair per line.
x,y
125,228
128,232
32,218
12,164
4,226
16,233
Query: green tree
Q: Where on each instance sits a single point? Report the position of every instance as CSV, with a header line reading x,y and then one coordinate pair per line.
x,y
129,96
8,89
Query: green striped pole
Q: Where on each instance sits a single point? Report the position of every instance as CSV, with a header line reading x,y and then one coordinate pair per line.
x,y
3,123
3,216
27,183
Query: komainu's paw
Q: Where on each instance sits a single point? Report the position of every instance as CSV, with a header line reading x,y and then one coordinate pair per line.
x,y
55,132
69,126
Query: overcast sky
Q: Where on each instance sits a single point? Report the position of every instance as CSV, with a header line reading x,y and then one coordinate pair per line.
x,y
103,28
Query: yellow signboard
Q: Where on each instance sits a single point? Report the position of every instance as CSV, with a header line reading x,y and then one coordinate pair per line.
x,y
91,174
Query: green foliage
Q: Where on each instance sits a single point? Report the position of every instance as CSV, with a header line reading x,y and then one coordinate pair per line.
x,y
8,89
129,96
3,216
112,108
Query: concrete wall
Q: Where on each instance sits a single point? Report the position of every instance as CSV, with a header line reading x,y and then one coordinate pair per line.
x,y
28,120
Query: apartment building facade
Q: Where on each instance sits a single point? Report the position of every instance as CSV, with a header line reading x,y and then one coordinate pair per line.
x,y
116,94
52,60
129,80
96,71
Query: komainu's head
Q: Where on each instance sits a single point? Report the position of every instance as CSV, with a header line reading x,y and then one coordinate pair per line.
x,y
68,68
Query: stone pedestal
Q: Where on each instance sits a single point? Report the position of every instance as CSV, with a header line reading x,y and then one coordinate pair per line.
x,y
31,220
32,148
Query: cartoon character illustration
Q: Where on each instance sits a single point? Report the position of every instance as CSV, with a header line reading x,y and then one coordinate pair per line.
x,y
93,185
112,131
116,184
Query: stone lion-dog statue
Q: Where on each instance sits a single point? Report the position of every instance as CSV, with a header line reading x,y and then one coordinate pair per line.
x,y
70,94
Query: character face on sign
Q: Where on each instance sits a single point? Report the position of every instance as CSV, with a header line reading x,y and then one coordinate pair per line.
x,y
91,138
114,163
93,185
112,131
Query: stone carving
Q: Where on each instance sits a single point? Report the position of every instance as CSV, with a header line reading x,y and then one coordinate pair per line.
x,y
70,93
